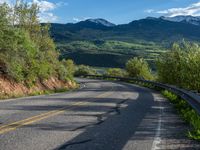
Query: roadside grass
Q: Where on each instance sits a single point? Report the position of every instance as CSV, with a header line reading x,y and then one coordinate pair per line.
x,y
186,112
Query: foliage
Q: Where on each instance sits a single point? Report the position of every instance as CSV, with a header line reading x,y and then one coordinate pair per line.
x,y
189,115
115,72
138,68
70,66
180,66
84,70
27,53
66,70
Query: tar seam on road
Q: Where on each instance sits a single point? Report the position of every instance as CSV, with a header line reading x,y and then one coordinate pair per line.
x,y
13,126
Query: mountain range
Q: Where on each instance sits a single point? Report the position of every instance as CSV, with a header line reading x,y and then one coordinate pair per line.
x,y
94,38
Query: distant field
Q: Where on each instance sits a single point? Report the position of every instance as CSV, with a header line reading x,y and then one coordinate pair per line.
x,y
109,53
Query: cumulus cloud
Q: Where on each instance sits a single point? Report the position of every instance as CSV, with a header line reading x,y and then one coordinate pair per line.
x,y
193,10
45,5
46,9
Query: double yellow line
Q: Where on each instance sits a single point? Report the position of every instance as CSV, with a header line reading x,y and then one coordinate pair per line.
x,y
13,126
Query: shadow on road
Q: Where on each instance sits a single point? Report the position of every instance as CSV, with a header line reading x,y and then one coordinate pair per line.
x,y
116,129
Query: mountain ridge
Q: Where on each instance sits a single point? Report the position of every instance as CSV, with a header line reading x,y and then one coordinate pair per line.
x,y
148,29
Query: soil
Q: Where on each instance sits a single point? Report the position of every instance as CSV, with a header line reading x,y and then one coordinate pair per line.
x,y
10,88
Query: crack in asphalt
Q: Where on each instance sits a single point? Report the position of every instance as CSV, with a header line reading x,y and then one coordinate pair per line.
x,y
101,117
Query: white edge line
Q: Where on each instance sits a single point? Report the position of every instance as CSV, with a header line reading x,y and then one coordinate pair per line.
x,y
157,138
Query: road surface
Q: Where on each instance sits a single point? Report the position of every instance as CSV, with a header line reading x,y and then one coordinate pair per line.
x,y
102,115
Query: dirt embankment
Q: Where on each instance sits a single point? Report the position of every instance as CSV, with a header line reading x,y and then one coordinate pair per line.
x,y
10,88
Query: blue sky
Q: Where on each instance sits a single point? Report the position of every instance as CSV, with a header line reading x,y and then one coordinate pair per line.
x,y
116,11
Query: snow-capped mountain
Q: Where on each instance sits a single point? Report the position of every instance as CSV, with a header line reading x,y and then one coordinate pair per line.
x,y
186,19
101,22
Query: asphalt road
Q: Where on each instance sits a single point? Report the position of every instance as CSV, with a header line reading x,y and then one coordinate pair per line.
x,y
101,115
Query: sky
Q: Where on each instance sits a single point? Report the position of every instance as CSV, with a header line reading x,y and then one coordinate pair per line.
x,y
115,11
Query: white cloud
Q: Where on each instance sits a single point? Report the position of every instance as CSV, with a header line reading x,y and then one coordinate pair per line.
x,y
45,5
193,10
46,8
47,17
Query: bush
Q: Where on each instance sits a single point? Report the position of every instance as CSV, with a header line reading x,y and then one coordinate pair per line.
x,y
138,68
84,70
115,72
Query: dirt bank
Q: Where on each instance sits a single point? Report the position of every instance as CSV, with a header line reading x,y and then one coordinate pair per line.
x,y
10,88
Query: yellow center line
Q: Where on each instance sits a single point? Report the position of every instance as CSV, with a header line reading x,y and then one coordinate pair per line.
x,y
13,126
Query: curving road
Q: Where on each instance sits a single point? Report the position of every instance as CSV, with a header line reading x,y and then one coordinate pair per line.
x,y
101,115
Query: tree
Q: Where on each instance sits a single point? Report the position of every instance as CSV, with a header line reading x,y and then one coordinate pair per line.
x,y
180,66
27,52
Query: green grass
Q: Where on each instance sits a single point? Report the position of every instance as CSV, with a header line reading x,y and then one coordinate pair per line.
x,y
187,113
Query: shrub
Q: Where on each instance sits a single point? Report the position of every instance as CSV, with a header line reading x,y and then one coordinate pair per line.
x,y
115,72
138,68
84,70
